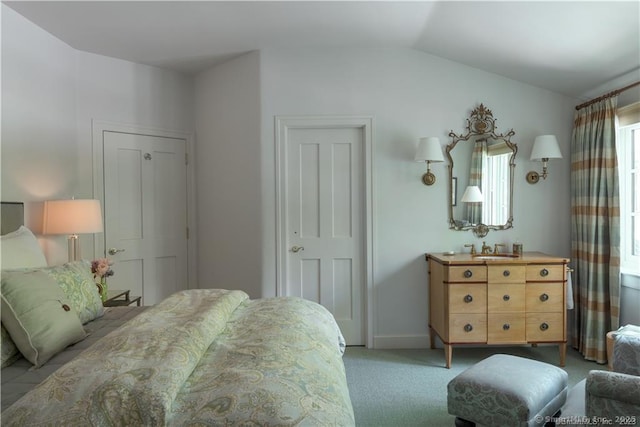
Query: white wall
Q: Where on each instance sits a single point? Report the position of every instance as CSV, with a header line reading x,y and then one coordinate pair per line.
x,y
50,94
411,94
39,150
38,111
228,175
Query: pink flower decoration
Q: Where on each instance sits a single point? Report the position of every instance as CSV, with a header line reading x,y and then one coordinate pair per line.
x,y
101,267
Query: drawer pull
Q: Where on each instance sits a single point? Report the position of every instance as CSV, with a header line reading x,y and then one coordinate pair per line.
x,y
506,273
544,297
506,327
468,298
544,272
468,273
468,327
506,297
544,326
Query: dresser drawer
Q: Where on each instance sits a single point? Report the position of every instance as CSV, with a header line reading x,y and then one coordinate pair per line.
x,y
468,328
545,327
544,297
506,328
551,273
468,298
469,273
506,273
502,298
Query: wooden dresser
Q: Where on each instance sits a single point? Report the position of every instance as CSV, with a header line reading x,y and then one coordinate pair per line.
x,y
497,300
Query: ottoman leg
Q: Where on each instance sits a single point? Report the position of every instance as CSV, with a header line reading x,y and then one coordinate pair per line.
x,y
461,422
552,423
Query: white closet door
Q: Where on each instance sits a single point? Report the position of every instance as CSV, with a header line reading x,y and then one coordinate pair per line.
x,y
145,214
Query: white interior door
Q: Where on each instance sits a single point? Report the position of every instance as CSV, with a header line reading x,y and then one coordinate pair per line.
x,y
145,213
324,223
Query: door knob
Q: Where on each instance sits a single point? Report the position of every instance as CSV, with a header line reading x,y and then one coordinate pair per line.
x,y
296,249
113,251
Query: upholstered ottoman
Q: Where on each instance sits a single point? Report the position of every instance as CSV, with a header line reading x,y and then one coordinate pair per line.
x,y
505,390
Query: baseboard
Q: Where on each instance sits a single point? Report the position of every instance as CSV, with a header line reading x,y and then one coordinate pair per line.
x,y
400,341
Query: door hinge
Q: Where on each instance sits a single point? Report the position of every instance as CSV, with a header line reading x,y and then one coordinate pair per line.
x,y
186,158
187,233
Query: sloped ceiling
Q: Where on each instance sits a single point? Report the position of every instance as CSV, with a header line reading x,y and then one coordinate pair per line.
x,y
567,47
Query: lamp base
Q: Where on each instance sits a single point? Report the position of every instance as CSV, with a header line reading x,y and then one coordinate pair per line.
x,y
428,178
74,250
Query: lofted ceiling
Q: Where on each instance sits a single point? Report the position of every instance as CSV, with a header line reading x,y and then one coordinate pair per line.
x,y
568,47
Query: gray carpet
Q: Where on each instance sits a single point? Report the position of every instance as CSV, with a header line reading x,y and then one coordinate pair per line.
x,y
409,387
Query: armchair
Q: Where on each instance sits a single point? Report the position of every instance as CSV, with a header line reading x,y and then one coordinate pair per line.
x,y
617,393
610,395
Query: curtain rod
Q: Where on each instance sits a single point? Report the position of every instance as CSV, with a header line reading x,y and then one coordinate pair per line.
x,y
605,96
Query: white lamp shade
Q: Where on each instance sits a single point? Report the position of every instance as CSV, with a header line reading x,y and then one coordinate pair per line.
x,y
472,194
545,147
79,216
429,149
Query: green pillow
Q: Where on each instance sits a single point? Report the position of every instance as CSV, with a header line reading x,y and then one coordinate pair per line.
x,y
10,352
77,283
37,315
20,249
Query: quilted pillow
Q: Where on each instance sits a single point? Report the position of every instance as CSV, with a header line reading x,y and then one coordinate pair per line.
x,y
20,249
10,352
78,285
37,315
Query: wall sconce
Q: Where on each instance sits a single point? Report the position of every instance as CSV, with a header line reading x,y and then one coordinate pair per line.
x,y
545,147
72,217
429,150
472,194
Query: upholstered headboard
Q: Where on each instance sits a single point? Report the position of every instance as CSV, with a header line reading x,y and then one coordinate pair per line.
x,y
11,216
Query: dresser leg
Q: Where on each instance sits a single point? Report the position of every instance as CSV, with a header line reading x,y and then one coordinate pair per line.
x,y
432,338
461,422
447,354
563,353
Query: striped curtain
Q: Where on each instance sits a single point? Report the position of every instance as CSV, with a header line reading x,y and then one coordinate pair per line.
x,y
478,158
595,228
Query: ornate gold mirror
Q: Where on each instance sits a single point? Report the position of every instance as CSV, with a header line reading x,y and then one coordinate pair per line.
x,y
481,167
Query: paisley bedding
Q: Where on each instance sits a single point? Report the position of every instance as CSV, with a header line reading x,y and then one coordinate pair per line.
x,y
202,357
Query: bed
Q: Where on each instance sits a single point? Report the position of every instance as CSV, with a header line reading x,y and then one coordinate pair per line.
x,y
200,357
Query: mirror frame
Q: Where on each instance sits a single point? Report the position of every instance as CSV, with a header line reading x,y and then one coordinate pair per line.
x,y
481,123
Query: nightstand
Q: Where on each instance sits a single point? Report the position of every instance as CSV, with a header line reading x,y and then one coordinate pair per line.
x,y
116,298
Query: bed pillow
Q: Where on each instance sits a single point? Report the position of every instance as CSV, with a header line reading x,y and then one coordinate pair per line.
x,y
37,315
20,249
10,352
77,283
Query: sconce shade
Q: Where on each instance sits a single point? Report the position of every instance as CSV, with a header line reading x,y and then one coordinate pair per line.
x,y
76,216
545,147
472,194
429,149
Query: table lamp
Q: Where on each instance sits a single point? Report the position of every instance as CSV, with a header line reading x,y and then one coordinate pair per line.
x,y
72,217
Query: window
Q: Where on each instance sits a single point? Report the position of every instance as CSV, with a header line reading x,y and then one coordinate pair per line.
x,y
495,188
628,148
